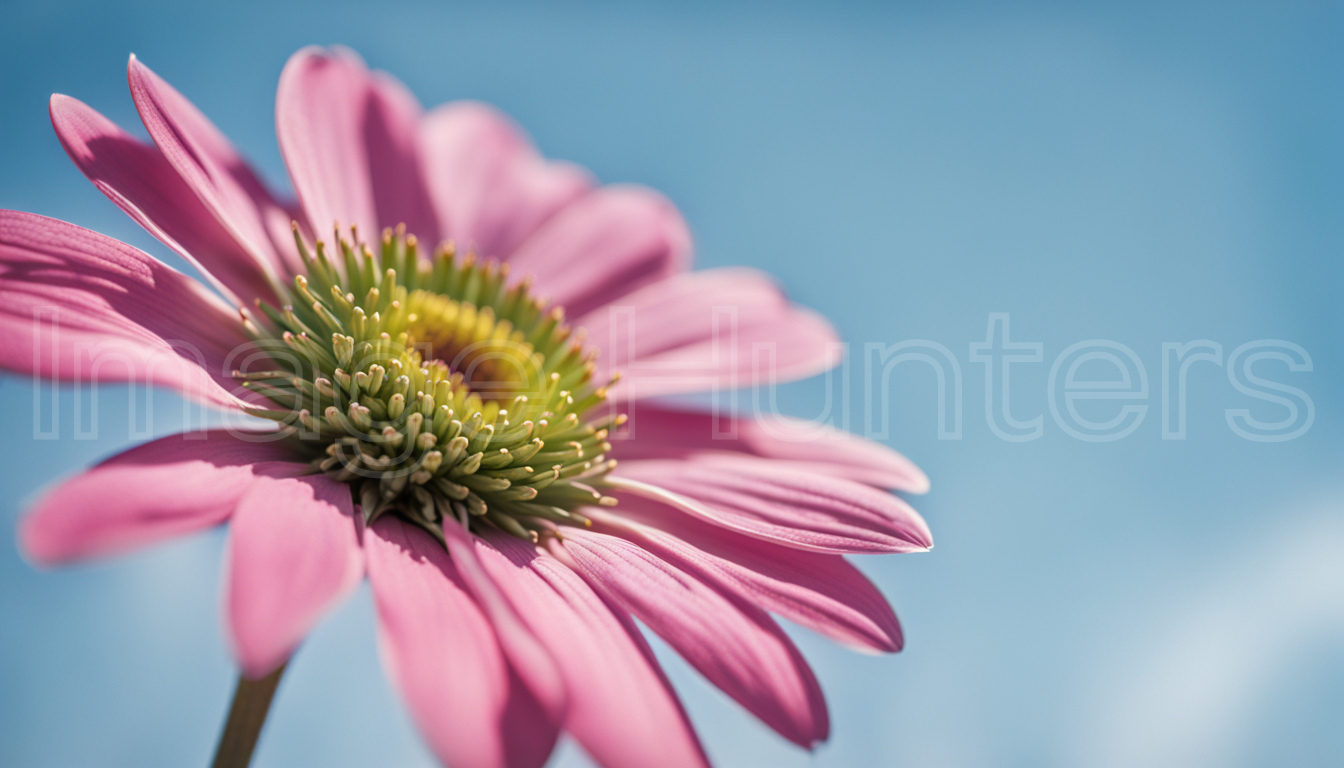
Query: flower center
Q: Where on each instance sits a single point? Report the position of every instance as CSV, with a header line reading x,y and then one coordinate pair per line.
x,y
436,389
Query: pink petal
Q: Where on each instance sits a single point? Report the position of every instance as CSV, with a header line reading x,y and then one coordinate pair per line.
x,y
213,169
350,141
78,306
491,187
293,553
803,510
726,328
822,592
604,245
621,708
734,644
660,432
319,112
166,488
392,139
136,177
527,655
445,658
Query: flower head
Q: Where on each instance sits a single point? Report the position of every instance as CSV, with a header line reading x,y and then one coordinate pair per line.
x,y
440,391
436,328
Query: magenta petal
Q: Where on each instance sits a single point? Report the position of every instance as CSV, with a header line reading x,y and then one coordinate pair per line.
x,y
711,328
79,306
604,245
213,169
350,139
734,644
803,510
822,592
621,708
136,177
444,656
661,432
491,187
320,109
391,130
293,553
166,488
526,654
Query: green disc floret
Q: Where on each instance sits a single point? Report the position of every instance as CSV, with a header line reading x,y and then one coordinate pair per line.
x,y
432,386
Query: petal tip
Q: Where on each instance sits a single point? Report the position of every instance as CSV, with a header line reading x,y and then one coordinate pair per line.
x,y
916,481
33,547
59,107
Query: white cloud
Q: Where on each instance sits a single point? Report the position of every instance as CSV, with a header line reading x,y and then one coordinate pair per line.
x,y
1191,700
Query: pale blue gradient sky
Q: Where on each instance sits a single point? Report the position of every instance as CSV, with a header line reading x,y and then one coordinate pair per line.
x,y
1157,172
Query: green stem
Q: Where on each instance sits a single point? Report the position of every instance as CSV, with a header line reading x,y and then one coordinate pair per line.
x,y
251,702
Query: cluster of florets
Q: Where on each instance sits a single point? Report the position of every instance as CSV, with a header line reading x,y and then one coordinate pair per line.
x,y
434,387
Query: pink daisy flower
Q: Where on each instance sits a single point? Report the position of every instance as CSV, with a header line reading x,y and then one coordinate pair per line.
x,y
444,430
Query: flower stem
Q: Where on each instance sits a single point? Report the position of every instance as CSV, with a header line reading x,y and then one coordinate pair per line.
x,y
251,702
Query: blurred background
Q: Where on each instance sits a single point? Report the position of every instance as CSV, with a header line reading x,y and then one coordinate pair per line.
x,y
1139,172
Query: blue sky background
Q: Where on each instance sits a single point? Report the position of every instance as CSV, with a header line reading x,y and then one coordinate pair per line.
x,y
1140,172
